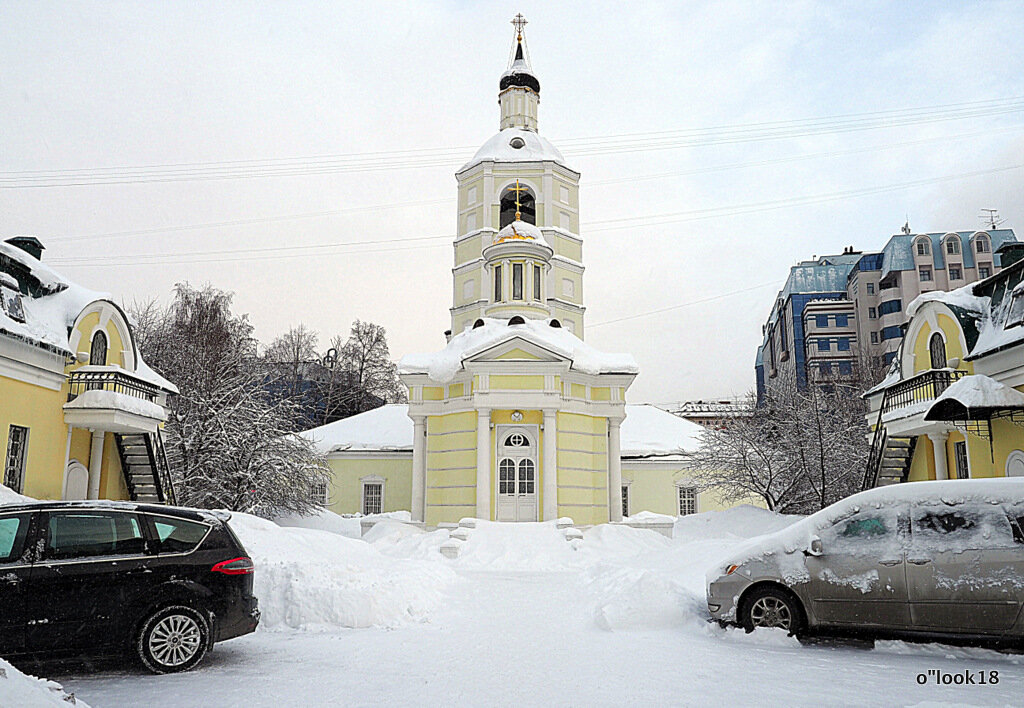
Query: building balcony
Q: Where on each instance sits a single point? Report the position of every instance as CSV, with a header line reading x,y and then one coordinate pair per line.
x,y
111,399
904,403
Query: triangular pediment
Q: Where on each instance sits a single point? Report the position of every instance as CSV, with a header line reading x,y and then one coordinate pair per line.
x,y
517,349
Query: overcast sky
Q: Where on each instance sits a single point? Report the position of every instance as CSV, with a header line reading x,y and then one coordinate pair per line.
x,y
239,91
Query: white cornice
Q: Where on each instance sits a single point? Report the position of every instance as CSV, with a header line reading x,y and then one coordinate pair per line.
x,y
30,364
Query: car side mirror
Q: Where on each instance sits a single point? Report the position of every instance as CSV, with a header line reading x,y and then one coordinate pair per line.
x,y
814,549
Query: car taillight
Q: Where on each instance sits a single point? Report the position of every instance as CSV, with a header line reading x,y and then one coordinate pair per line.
x,y
235,566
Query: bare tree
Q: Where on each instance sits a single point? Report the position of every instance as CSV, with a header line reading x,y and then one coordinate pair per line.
x,y
228,439
367,359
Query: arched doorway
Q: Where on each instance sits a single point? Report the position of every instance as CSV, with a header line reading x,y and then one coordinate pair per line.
x,y
517,474
527,207
76,484
1015,464
98,351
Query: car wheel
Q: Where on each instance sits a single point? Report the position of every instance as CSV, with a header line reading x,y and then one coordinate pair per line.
x,y
772,607
173,639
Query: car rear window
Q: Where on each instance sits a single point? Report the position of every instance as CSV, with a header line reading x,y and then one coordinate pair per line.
x,y
178,535
12,536
85,534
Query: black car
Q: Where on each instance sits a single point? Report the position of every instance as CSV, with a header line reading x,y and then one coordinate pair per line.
x,y
93,578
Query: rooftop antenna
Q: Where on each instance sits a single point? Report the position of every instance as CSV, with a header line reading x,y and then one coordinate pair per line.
x,y
991,218
906,226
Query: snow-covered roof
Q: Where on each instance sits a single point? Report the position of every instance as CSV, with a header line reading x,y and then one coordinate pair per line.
x,y
499,149
964,298
47,317
649,431
115,400
442,366
388,428
974,396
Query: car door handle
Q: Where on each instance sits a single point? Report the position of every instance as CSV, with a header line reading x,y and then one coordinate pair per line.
x,y
894,561
919,561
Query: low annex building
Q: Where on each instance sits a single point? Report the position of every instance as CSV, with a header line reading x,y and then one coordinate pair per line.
x,y
82,412
952,405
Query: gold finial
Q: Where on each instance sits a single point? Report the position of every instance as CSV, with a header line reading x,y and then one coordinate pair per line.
x,y
517,189
519,22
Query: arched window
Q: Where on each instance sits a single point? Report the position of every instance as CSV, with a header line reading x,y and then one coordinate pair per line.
x,y
526,476
981,244
517,320
924,246
527,207
98,352
937,349
507,476
952,245
516,440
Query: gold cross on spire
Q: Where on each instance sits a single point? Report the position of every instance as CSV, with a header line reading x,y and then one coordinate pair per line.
x,y
519,22
517,189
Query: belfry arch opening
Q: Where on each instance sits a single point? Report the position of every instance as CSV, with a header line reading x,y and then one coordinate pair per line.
x,y
527,206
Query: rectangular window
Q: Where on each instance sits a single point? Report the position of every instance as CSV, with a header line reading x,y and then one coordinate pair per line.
x,y
846,368
842,320
825,367
981,245
687,501
952,247
893,332
963,470
536,282
17,455
824,345
625,500
87,534
955,273
874,337
843,344
888,357
319,493
984,270
925,274
922,248
13,529
177,535
872,313
821,320
497,283
517,281
871,288
890,306
373,497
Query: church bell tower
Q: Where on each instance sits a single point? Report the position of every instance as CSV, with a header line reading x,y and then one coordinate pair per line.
x,y
518,250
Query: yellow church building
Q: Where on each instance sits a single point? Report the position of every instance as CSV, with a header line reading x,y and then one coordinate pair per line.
x,y
952,406
517,418
80,411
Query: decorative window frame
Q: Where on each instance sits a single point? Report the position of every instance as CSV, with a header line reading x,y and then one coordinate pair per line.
x,y
680,486
370,480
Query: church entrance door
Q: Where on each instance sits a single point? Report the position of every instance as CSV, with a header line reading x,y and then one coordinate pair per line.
x,y
517,476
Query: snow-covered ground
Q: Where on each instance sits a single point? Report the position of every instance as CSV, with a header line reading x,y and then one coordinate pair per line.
x,y
521,618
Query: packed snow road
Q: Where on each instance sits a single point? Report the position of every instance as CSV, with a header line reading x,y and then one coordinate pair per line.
x,y
523,618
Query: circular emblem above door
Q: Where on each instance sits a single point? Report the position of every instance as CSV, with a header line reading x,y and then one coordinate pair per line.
x,y
517,416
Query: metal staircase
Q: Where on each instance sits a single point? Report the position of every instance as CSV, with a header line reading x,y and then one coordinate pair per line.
x,y
145,468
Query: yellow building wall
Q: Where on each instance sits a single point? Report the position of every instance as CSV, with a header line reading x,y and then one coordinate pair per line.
x,y
345,495
922,465
38,409
951,330
654,487
451,468
583,468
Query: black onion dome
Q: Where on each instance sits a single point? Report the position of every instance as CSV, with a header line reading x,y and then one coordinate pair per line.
x,y
519,74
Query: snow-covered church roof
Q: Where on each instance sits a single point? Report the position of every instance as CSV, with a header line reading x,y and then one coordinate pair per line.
x,y
442,366
647,431
502,147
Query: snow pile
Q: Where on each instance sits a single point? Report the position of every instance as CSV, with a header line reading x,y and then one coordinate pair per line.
x,y
18,689
963,297
386,428
534,546
442,366
400,540
326,520
9,496
115,400
521,230
739,522
648,430
311,579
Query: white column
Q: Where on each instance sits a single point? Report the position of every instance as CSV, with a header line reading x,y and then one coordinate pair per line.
x,y
939,451
550,471
67,459
614,471
95,464
419,468
483,463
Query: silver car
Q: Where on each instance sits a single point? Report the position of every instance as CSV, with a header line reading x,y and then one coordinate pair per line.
x,y
937,558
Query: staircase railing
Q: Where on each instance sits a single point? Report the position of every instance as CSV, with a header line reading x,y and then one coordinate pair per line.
x,y
125,470
877,448
161,469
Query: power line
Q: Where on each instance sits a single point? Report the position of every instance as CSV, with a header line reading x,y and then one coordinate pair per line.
x,y
681,305
433,157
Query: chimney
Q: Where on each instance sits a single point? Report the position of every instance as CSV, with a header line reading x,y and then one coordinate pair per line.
x,y
1010,252
29,244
